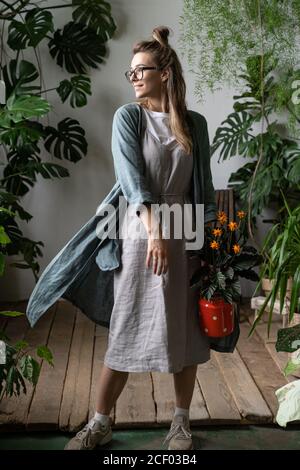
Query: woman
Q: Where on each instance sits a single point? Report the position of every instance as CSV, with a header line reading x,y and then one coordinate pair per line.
x,y
154,323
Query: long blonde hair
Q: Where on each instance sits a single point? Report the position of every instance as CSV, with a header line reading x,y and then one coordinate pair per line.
x,y
174,89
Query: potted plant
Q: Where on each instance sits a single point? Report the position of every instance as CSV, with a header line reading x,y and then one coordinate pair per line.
x,y
282,246
17,365
225,258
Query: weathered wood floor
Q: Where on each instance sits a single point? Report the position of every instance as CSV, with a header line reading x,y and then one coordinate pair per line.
x,y
233,388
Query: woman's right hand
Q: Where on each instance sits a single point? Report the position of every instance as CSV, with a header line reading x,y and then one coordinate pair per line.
x,y
157,251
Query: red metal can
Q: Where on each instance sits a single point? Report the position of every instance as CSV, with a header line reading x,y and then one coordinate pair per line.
x,y
216,317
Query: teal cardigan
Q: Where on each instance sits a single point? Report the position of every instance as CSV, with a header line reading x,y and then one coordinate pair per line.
x,y
82,271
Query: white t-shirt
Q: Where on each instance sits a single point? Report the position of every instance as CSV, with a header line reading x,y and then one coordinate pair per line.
x,y
158,125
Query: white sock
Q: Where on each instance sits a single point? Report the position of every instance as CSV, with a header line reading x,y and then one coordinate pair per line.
x,y
103,419
182,411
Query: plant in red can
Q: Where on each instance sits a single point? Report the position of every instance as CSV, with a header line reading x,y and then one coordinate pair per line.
x,y
225,258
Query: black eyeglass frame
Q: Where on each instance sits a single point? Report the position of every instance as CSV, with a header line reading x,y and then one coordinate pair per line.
x,y
128,73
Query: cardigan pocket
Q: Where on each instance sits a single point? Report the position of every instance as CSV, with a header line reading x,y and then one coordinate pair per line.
x,y
108,257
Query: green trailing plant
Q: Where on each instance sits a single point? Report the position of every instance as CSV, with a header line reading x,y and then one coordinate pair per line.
x,y
76,48
279,166
218,39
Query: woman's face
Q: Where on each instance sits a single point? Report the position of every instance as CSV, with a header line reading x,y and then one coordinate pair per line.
x,y
151,83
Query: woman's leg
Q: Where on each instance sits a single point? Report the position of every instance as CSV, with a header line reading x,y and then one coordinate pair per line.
x,y
184,383
110,386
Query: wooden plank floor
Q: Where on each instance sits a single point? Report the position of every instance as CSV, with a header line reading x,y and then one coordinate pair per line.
x,y
230,389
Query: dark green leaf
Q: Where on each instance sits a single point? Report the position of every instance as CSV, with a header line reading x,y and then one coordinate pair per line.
x,y
17,74
8,313
30,369
77,88
45,353
77,46
23,34
67,141
97,15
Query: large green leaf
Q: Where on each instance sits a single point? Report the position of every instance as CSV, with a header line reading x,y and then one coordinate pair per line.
x,y
249,274
21,134
262,191
47,170
67,141
77,88
97,15
24,164
221,280
23,107
293,167
30,368
244,261
77,46
4,238
235,288
45,353
233,135
31,31
16,74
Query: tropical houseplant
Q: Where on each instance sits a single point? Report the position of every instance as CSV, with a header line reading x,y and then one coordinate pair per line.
x,y
251,43
17,365
282,246
225,258
25,141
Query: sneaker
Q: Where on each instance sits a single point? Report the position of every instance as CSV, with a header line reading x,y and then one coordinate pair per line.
x,y
93,434
179,436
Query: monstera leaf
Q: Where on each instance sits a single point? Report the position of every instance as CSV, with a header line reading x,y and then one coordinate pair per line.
x,y
233,136
31,31
97,15
67,141
21,134
293,166
76,46
23,107
23,165
16,74
76,88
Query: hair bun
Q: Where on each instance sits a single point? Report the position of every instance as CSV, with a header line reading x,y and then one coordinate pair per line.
x,y
161,34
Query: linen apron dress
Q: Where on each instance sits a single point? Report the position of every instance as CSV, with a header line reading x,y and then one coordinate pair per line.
x,y
154,322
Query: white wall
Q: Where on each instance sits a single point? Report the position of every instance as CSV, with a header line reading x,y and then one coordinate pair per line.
x,y
61,207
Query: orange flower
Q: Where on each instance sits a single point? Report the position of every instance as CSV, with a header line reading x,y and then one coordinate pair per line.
x,y
232,226
217,232
236,248
241,214
222,217
214,245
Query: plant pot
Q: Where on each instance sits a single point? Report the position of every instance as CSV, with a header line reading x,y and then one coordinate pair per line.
x,y
267,286
216,317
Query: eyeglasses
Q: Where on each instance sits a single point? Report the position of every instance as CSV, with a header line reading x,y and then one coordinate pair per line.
x,y
138,72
